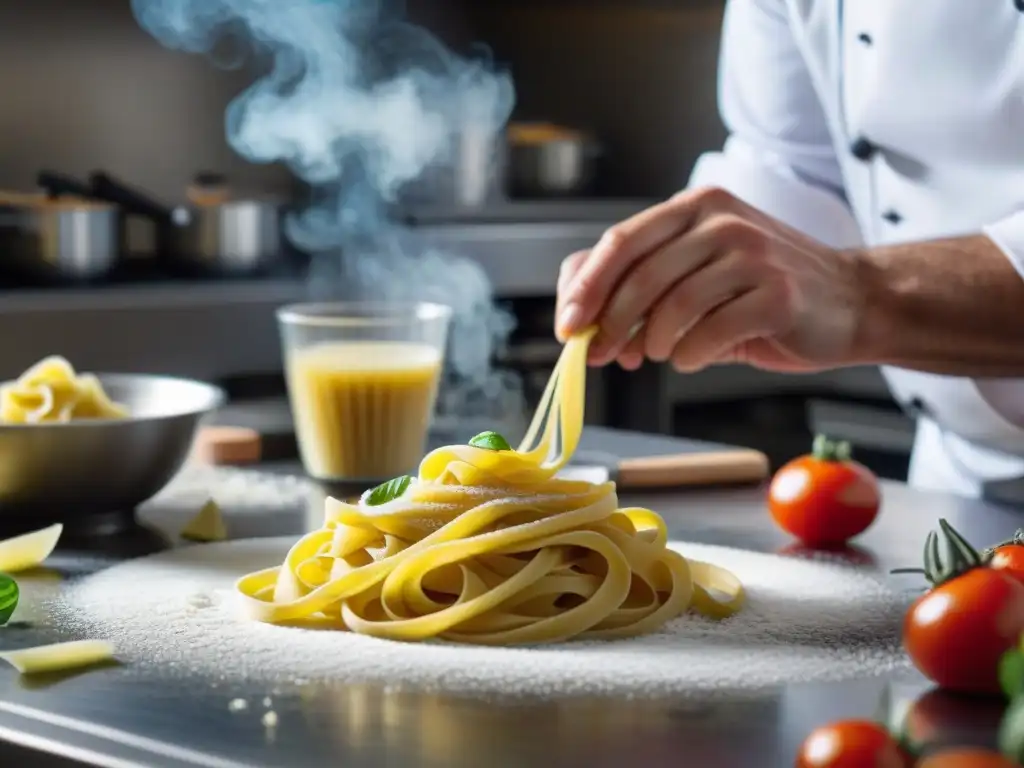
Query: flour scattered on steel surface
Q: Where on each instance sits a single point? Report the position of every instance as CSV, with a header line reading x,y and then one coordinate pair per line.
x,y
805,621
232,489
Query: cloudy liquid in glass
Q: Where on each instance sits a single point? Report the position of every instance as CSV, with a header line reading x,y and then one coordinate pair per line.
x,y
362,408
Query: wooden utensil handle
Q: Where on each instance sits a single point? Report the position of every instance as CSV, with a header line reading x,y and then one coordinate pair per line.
x,y
682,469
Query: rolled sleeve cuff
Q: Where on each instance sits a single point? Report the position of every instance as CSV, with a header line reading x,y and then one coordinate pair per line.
x,y
1008,234
768,185
1006,396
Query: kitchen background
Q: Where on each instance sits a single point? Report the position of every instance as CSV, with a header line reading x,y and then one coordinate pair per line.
x,y
85,88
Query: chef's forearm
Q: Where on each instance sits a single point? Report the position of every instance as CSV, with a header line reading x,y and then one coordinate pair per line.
x,y
952,307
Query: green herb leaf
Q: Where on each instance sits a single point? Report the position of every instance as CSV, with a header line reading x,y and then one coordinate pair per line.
x,y
388,491
9,594
1011,673
492,441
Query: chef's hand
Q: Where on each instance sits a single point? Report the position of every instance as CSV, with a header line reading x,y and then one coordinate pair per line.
x,y
704,278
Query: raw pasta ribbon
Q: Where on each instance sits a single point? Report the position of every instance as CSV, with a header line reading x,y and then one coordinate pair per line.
x,y
491,547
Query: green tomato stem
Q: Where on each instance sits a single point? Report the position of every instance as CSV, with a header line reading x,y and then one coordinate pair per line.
x,y
960,557
825,449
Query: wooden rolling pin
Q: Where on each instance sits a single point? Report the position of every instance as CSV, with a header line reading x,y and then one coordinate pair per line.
x,y
683,469
733,466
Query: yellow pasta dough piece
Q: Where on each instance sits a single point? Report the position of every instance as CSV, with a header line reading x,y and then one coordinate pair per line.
x,y
50,370
51,391
487,545
207,524
59,656
28,550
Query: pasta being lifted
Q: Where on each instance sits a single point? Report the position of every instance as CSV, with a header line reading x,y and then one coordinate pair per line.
x,y
51,391
488,546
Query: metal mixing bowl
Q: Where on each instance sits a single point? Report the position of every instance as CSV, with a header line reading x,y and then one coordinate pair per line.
x,y
63,471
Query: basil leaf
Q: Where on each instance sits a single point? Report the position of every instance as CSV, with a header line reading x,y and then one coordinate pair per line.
x,y
388,491
1011,673
9,594
492,441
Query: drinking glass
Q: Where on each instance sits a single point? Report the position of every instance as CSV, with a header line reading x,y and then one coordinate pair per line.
x,y
362,382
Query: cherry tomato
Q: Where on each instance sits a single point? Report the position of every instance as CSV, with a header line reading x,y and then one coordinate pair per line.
x,y
825,497
957,632
851,744
967,757
1009,558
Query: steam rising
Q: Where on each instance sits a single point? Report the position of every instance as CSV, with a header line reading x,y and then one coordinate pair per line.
x,y
359,104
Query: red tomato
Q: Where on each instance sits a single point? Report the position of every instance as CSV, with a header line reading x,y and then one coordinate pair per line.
x,y
851,744
967,757
824,498
1009,558
956,632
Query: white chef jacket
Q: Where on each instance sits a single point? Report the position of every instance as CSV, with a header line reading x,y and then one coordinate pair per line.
x,y
885,121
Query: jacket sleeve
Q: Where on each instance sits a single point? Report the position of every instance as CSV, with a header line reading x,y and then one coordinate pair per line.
x,y
1006,396
1008,234
779,155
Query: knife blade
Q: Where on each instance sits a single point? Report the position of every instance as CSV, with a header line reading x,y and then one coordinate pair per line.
x,y
676,470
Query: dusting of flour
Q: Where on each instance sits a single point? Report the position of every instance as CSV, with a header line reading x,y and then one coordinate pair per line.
x,y
805,621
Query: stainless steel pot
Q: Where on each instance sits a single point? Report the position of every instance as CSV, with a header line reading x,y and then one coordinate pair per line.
x,y
64,239
60,185
473,176
550,161
211,236
235,236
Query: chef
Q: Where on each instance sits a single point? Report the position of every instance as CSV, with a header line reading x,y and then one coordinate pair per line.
x,y
867,208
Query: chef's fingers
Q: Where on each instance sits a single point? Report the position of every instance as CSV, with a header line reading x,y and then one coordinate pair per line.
x,y
654,276
632,356
697,296
758,313
627,242
568,269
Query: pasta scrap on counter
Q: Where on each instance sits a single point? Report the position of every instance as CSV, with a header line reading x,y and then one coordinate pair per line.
x,y
487,546
59,657
206,525
52,392
29,550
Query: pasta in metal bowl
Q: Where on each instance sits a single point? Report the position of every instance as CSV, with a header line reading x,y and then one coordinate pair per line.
x,y
51,391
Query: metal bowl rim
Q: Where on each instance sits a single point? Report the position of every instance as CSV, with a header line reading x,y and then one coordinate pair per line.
x,y
216,396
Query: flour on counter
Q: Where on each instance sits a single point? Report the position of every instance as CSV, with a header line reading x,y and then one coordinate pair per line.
x,y
245,496
804,621
232,488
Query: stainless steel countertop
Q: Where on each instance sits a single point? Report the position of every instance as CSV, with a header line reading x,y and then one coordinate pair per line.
x,y
124,717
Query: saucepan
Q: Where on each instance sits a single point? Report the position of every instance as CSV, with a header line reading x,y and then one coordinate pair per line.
x,y
67,188
472,177
66,239
548,160
212,233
